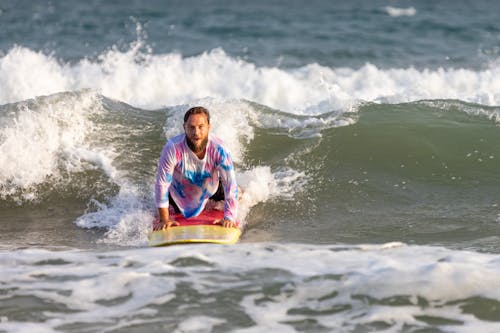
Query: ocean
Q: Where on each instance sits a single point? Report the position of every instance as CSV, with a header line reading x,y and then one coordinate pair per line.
x,y
365,134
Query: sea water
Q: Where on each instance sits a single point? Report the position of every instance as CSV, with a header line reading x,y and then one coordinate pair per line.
x,y
365,135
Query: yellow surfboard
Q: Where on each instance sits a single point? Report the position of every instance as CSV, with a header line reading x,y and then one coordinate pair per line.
x,y
199,229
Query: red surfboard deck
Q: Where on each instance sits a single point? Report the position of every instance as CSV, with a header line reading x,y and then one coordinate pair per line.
x,y
199,229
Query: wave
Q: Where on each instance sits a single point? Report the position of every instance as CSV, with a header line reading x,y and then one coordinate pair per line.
x,y
101,151
398,12
82,146
447,143
47,138
150,81
60,138
283,287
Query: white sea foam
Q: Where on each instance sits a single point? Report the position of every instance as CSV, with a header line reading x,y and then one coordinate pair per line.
x,y
198,324
157,80
338,287
397,12
47,137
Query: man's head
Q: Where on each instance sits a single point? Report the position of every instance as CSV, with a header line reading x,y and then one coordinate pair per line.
x,y
196,127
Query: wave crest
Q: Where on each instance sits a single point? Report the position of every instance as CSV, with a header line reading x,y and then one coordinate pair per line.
x,y
150,80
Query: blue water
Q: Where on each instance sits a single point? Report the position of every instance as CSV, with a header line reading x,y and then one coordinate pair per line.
x,y
365,135
267,33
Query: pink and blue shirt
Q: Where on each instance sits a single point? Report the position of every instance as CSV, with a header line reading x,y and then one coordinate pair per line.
x,y
192,181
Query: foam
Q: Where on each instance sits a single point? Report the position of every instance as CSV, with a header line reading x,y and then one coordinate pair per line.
x,y
398,12
151,80
26,74
339,287
19,327
198,324
46,138
492,113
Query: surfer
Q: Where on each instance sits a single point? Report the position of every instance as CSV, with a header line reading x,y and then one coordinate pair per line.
x,y
195,167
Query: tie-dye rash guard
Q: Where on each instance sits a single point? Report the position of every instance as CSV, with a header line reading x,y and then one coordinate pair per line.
x,y
191,181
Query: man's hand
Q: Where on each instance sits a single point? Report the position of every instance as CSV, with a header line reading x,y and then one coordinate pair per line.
x,y
159,224
163,220
226,223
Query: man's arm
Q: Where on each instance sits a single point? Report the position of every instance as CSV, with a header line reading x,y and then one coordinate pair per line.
x,y
228,178
166,167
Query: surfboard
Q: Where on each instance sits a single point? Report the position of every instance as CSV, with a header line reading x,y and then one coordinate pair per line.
x,y
199,229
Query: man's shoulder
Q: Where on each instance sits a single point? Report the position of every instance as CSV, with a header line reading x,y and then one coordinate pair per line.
x,y
174,145
216,142
218,149
176,140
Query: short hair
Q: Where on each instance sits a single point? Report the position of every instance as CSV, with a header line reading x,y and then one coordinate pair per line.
x,y
196,110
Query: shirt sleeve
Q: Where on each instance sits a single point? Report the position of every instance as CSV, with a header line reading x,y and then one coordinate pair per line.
x,y
166,167
228,178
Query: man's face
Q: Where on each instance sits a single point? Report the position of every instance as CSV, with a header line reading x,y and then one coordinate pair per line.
x,y
196,129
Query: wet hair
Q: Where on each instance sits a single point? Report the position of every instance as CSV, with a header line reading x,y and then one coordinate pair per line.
x,y
196,110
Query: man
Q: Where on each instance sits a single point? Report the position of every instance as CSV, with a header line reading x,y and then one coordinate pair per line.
x,y
195,167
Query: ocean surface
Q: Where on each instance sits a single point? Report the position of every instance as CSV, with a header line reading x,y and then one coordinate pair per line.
x,y
366,136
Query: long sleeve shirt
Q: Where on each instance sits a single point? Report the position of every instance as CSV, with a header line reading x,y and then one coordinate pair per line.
x,y
192,181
